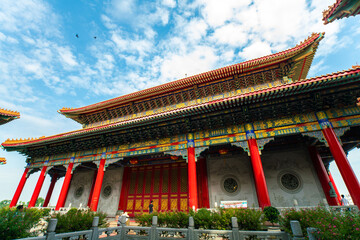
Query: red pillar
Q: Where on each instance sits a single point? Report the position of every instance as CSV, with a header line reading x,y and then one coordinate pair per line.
x,y
202,181
323,176
97,187
340,158
92,188
65,187
38,186
51,188
193,198
124,189
334,185
259,177
19,188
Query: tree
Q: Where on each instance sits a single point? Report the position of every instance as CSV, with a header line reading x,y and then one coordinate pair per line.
x,y
39,202
4,203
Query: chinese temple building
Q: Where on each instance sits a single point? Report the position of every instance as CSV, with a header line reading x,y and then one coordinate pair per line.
x,y
257,131
341,9
5,117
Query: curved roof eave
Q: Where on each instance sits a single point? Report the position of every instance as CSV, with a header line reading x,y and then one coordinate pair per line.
x,y
196,79
73,134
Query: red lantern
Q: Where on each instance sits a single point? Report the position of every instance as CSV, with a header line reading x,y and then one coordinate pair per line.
x,y
174,157
223,151
133,161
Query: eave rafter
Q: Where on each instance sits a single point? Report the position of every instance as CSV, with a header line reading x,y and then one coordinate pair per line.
x,y
341,9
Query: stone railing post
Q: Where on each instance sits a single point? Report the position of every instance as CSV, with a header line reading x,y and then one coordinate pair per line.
x,y
95,229
191,229
296,230
123,225
50,231
153,228
235,228
310,232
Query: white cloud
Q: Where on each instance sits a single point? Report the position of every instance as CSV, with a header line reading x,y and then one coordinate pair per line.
x,y
216,13
231,34
255,50
176,66
121,9
68,59
169,3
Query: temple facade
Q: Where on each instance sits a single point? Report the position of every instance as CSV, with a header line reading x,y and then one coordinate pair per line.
x,y
257,132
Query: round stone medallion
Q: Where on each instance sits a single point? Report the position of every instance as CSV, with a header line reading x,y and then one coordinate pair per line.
x,y
290,181
107,191
230,185
79,191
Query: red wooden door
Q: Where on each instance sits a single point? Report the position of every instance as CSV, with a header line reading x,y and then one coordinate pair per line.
x,y
166,185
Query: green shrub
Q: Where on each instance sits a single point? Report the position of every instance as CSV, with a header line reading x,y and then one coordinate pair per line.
x,y
248,219
330,224
173,219
271,214
77,220
17,224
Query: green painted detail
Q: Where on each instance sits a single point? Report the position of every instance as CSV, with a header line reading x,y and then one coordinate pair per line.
x,y
265,129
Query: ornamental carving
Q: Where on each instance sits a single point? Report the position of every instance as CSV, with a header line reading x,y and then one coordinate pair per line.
x,y
78,192
107,191
230,185
289,181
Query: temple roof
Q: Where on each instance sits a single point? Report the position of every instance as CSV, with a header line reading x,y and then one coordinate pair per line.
x,y
280,91
2,161
341,9
8,115
300,56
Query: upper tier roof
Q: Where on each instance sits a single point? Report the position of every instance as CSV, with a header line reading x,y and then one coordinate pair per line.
x,y
302,55
8,115
255,96
341,9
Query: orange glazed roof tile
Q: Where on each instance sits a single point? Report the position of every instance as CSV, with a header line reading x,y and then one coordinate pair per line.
x,y
9,113
290,87
247,66
341,9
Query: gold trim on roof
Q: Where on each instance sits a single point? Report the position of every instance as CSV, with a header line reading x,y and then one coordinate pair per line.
x,y
22,140
9,112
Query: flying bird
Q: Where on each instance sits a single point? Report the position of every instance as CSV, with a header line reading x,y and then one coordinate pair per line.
x,y
77,35
94,37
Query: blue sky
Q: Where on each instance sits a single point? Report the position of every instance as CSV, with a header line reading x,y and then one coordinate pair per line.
x,y
140,44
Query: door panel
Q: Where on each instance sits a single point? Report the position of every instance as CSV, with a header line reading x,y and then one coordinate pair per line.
x,y
166,185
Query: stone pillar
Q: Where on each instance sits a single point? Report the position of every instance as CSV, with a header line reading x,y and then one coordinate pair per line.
x,y
98,184
51,189
65,187
340,158
323,176
38,186
193,198
259,177
19,188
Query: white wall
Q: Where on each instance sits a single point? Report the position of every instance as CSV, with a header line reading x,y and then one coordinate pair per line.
x,y
274,163
108,205
83,179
